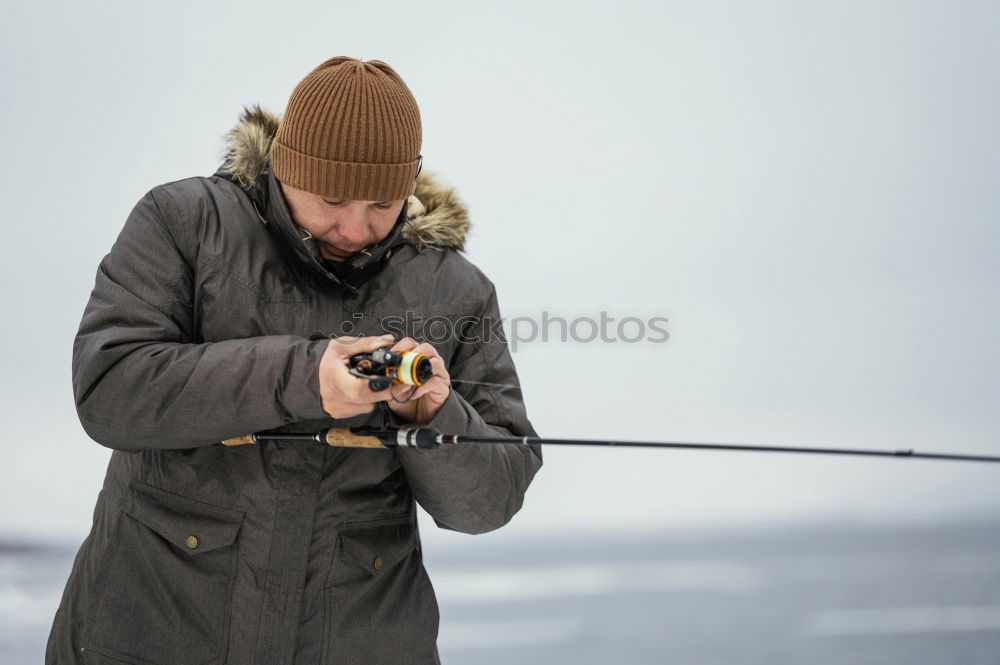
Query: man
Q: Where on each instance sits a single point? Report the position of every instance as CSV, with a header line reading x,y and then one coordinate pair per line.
x,y
198,330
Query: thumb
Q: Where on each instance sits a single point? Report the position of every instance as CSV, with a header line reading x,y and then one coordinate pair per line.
x,y
349,346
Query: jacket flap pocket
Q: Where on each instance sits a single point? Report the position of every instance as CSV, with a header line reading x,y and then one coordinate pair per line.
x,y
189,525
378,544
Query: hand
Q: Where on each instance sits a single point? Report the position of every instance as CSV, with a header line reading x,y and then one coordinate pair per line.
x,y
343,394
418,404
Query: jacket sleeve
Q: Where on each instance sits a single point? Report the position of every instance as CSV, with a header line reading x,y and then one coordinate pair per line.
x,y
140,380
477,488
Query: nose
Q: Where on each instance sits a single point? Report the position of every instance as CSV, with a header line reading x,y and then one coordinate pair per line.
x,y
353,229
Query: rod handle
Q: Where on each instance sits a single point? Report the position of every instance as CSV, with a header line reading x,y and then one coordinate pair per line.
x,y
345,438
240,440
342,438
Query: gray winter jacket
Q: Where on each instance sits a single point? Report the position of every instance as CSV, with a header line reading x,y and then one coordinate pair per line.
x,y
207,321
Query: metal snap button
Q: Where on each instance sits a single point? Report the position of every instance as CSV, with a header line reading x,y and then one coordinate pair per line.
x,y
192,542
377,563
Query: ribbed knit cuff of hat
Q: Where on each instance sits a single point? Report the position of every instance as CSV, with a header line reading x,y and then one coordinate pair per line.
x,y
360,181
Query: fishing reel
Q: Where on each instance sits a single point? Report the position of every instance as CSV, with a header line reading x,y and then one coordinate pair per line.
x,y
383,368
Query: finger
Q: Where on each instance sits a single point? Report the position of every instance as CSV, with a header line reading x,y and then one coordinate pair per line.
x,y
403,345
427,349
437,362
403,393
435,385
438,390
439,368
348,346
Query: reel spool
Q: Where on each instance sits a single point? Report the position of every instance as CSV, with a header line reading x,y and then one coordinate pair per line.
x,y
383,368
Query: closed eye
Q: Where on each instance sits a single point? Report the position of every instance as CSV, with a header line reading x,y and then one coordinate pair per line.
x,y
380,206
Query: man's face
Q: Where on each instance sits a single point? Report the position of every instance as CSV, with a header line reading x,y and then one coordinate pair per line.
x,y
341,227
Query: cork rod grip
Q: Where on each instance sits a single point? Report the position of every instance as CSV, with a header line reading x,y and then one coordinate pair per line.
x,y
347,439
239,440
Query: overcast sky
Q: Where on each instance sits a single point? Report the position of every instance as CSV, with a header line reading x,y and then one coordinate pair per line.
x,y
807,191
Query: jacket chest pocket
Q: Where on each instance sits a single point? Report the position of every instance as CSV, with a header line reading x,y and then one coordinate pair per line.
x,y
231,301
165,594
379,604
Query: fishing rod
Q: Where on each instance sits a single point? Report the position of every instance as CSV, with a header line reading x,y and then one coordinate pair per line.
x,y
382,368
429,438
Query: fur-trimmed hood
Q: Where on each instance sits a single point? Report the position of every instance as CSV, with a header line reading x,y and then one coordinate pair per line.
x,y
436,215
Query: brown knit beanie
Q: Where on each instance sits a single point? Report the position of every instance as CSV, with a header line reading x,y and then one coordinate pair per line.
x,y
351,130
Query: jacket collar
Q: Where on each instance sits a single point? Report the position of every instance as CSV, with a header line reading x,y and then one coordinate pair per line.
x,y
348,273
434,217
